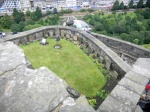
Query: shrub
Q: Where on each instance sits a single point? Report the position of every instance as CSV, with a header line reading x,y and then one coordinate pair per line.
x,y
92,102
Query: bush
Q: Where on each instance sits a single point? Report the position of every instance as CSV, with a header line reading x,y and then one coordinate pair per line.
x,y
92,102
102,94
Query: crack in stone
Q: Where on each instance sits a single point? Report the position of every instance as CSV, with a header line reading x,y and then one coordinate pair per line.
x,y
11,69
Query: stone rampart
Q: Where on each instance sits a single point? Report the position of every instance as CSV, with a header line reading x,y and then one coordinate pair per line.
x,y
124,96
124,47
112,61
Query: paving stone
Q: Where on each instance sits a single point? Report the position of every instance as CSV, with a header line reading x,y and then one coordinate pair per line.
x,y
142,66
125,96
112,105
131,85
137,77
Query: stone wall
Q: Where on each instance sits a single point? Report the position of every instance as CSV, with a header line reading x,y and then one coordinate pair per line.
x,y
124,47
112,61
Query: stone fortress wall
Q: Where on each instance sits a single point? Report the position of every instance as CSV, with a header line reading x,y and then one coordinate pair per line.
x,y
126,94
111,60
124,48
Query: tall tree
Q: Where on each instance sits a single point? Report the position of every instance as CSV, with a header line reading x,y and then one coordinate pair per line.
x,y
38,12
18,16
55,11
140,4
121,5
148,3
131,4
5,21
115,6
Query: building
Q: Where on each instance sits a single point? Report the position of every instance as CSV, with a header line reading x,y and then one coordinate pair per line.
x,y
71,3
79,2
21,5
61,4
40,3
85,4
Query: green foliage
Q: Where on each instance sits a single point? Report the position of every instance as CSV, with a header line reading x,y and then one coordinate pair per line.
x,y
18,16
48,12
148,3
16,28
29,27
136,41
92,102
140,4
5,21
28,13
121,6
146,13
55,11
115,6
131,4
102,94
38,13
66,11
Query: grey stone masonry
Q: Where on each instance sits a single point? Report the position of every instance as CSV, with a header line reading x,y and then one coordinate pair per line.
x,y
124,47
109,58
126,94
27,90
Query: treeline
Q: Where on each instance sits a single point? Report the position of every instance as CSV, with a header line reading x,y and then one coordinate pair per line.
x,y
132,27
120,6
19,21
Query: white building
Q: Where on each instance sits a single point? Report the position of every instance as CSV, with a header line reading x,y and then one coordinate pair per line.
x,y
71,3
21,5
85,4
61,4
79,2
40,3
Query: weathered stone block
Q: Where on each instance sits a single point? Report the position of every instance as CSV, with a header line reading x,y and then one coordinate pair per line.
x,y
31,38
10,57
16,41
137,78
142,66
125,96
107,63
111,104
131,85
24,40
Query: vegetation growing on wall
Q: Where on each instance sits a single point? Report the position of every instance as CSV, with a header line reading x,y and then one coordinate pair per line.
x,y
133,27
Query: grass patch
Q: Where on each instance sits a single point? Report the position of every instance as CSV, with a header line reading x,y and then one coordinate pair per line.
x,y
69,63
146,46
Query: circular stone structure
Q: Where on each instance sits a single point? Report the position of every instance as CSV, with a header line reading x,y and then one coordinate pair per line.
x,y
57,46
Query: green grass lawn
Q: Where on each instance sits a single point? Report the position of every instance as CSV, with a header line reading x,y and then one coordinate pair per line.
x,y
146,46
69,63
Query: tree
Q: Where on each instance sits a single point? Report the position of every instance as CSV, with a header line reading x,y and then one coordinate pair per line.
x,y
140,4
55,11
121,5
148,3
98,26
146,13
28,13
18,16
38,12
15,28
33,16
136,41
5,21
115,6
131,4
